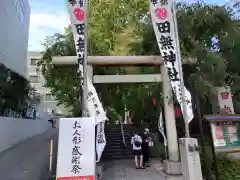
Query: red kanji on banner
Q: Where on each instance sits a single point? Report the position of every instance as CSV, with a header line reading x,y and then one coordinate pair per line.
x,y
161,13
79,14
154,101
177,112
225,95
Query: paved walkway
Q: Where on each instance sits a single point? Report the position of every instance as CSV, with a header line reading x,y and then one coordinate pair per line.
x,y
125,170
28,160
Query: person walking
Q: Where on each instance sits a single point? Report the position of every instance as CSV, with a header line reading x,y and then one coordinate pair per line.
x,y
145,147
136,142
52,119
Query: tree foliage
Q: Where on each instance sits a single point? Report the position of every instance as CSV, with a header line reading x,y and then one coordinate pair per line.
x,y
108,23
15,92
208,34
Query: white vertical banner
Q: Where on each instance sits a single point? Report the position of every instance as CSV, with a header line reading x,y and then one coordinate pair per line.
x,y
100,141
161,130
225,99
165,32
77,14
76,149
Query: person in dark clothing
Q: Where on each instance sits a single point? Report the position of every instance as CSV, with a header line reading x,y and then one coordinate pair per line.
x,y
145,148
52,119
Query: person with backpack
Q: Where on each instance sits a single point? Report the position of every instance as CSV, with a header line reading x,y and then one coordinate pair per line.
x,y
136,142
145,147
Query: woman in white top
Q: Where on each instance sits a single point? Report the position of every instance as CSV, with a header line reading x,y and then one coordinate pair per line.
x,y
136,142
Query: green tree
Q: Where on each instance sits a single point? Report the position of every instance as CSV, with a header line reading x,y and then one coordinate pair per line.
x,y
207,33
108,22
12,100
115,31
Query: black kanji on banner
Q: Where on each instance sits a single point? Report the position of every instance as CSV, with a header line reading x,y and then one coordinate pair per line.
x,y
97,112
80,29
76,151
163,2
173,74
171,57
77,139
76,169
166,42
90,94
174,90
80,3
76,125
164,27
94,100
100,135
154,2
188,102
80,44
180,90
80,58
72,2
76,159
76,154
76,133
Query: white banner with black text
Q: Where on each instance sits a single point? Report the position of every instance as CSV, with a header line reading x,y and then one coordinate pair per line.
x,y
77,15
165,32
76,149
100,140
161,130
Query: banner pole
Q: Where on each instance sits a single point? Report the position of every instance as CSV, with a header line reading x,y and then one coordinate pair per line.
x,y
85,75
178,53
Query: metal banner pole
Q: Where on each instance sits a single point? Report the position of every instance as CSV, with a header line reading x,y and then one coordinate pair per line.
x,y
85,75
178,53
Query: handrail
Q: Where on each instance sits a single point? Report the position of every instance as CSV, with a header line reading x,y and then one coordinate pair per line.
x,y
123,136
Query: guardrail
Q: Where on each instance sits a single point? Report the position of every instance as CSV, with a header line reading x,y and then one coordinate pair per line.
x,y
123,136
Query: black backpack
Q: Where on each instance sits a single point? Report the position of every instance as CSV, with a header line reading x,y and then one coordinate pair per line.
x,y
137,143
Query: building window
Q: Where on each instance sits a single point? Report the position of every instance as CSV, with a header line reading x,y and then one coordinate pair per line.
x,y
34,79
49,97
34,61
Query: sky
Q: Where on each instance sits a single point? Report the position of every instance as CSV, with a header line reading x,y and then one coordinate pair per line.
x,y
50,16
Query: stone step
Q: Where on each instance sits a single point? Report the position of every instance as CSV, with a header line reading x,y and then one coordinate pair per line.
x,y
115,148
113,141
113,130
114,136
111,157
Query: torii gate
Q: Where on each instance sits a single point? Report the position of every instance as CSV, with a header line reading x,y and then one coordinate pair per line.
x,y
165,27
93,61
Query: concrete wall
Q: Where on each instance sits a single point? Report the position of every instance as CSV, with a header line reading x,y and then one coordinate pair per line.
x,y
14,130
14,23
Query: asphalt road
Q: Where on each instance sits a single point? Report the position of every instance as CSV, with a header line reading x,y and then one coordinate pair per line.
x,y
28,160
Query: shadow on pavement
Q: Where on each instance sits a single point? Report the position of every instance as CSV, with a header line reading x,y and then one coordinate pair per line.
x,y
28,160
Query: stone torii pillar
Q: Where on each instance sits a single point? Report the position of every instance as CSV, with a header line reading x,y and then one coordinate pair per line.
x,y
169,117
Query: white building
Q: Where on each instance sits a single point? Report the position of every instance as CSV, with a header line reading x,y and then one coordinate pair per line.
x,y
37,81
14,32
